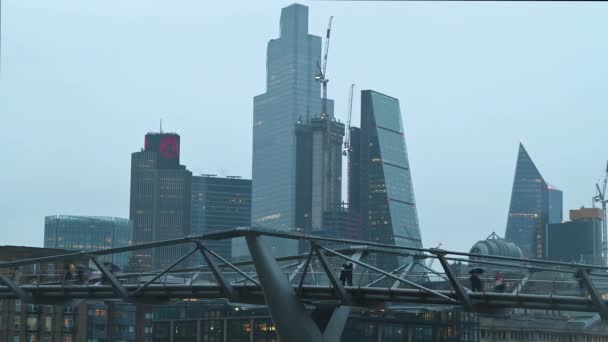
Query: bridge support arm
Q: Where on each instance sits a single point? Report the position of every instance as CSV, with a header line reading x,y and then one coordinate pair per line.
x,y
406,271
116,285
597,299
305,269
233,267
463,296
217,273
24,296
165,271
292,320
344,297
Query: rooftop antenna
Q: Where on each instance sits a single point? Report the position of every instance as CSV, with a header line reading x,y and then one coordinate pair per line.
x,y
161,125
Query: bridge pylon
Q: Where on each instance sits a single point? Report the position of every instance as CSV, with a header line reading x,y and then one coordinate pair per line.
x,y
292,320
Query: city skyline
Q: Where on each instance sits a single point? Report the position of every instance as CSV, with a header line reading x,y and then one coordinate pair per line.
x,y
434,158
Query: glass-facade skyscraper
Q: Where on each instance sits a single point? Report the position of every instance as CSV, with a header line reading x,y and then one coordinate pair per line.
x,y
534,205
292,96
385,192
89,233
218,204
161,195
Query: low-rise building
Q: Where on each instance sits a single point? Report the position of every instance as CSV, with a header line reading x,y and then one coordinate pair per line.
x,y
19,321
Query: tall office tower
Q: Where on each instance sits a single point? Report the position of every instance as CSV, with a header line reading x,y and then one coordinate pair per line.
x,y
160,199
556,204
534,204
292,95
386,195
220,204
318,172
89,233
354,170
577,240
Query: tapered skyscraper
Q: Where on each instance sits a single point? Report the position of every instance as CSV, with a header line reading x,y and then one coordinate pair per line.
x,y
380,185
534,204
292,97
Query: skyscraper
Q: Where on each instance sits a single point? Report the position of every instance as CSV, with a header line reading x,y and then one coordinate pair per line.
x,y
292,95
534,204
386,195
89,233
218,204
160,199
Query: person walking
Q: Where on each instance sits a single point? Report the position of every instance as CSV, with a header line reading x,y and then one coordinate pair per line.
x,y
67,273
475,283
499,283
343,274
349,274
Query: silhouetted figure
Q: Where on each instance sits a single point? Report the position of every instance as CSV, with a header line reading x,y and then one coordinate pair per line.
x,y
499,283
343,272
476,285
67,273
82,274
349,274
581,281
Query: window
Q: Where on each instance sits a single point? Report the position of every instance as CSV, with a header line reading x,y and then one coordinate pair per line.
x,y
16,338
48,323
17,305
68,309
67,338
68,323
46,338
17,322
31,338
32,324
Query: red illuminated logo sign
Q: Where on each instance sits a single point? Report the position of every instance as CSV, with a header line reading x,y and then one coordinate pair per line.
x,y
169,146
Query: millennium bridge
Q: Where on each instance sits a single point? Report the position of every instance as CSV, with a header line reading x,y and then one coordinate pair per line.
x,y
306,299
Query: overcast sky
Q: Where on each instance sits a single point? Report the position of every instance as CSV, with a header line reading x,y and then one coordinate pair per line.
x,y
83,81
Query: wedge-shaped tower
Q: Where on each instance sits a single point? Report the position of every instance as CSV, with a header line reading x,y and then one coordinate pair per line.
x,y
534,204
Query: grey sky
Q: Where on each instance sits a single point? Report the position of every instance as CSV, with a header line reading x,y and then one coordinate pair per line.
x,y
83,81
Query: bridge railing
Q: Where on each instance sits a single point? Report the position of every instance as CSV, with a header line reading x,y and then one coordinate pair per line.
x,y
375,265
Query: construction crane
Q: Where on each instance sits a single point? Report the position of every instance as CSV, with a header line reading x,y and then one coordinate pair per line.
x,y
347,149
321,70
601,198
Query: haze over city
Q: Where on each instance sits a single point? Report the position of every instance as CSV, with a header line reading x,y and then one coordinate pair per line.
x,y
81,84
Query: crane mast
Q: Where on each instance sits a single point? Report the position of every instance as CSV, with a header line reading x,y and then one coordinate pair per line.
x,y
321,70
601,198
347,149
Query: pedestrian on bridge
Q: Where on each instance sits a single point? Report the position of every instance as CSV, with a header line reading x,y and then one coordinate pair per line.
x,y
67,273
476,284
343,272
349,274
499,283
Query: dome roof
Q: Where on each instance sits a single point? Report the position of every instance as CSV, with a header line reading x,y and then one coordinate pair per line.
x,y
497,246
